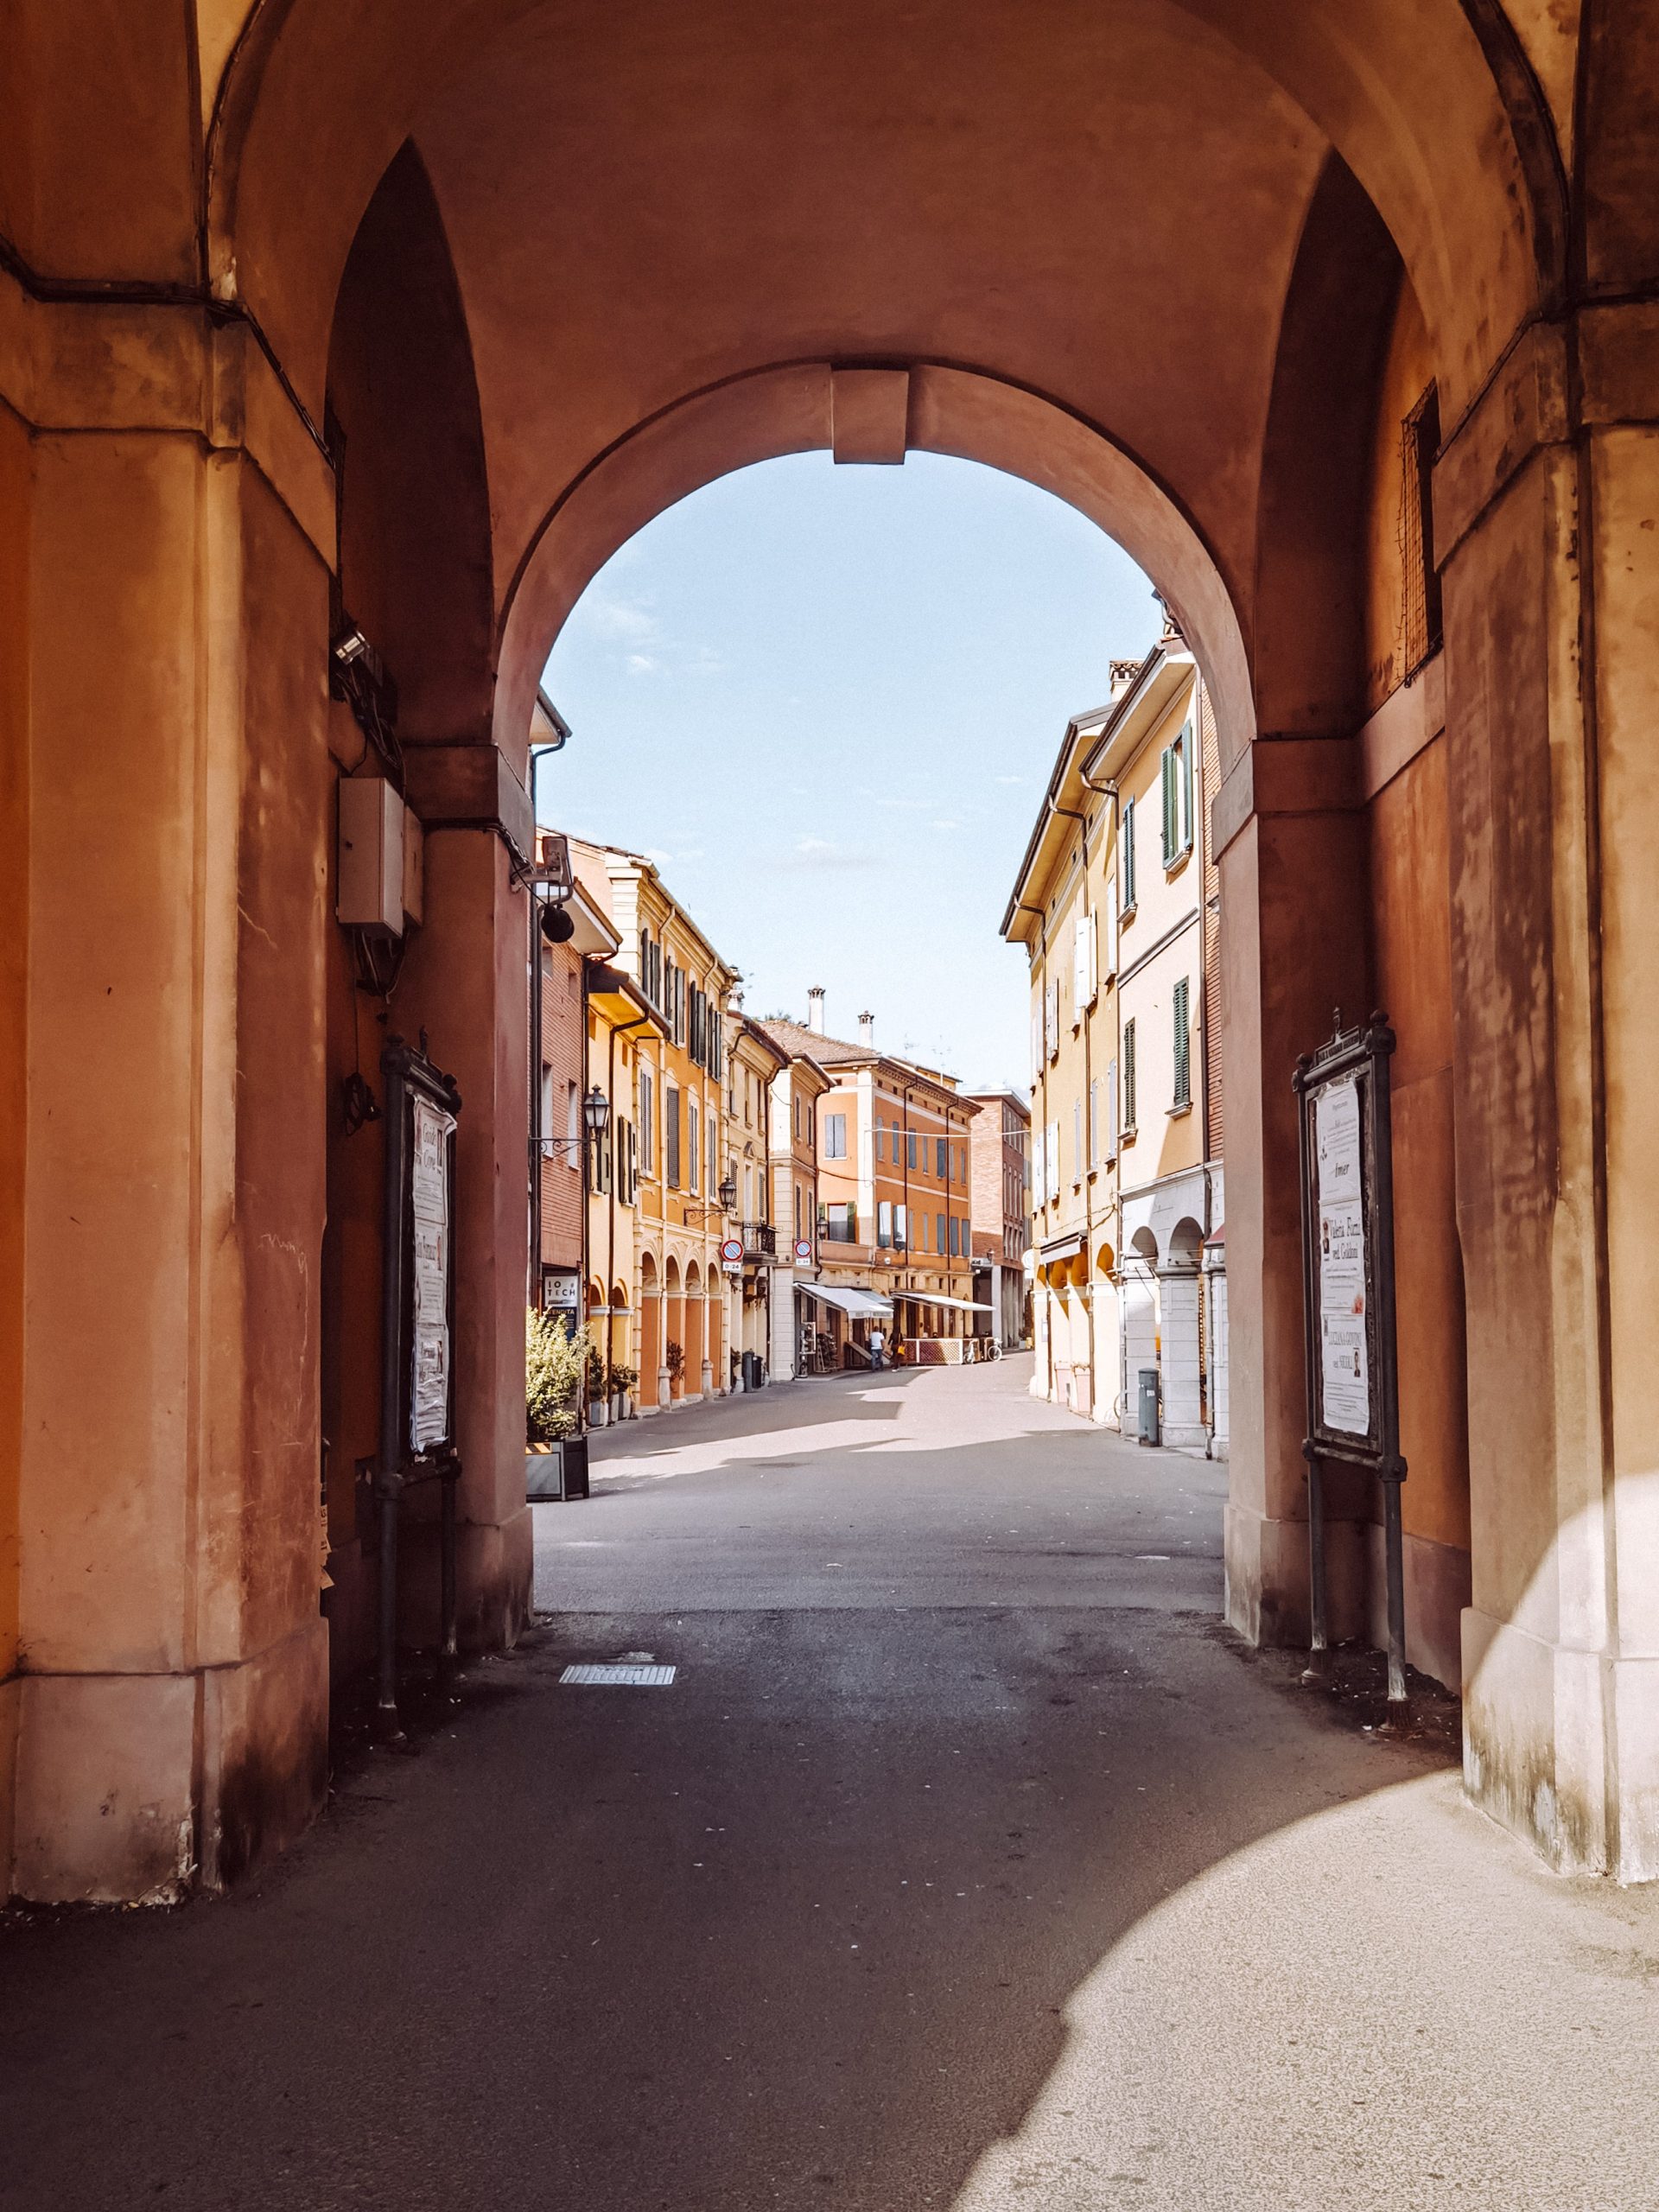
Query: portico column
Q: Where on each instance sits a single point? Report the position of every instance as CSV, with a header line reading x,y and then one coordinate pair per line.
x,y
1292,857
165,701
463,981
1553,676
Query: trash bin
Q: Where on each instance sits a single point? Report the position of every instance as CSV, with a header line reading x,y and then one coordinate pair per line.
x,y
754,1371
1150,1431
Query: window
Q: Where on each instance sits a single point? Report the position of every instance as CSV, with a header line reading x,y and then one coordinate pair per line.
x,y
901,1228
1128,1079
939,1233
840,1224
1421,610
1178,797
1076,1142
1126,857
797,1213
958,1238
547,1099
573,1124
835,1136
1183,1044
941,1166
1094,1125
714,1154
884,1224
694,1159
1111,1110
1082,966
672,1134
880,1138
909,1148
647,1120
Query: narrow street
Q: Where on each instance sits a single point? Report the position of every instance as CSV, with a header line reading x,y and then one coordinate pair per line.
x,y
966,1863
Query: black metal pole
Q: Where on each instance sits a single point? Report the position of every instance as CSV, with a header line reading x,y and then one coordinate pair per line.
x,y
1318,1622
390,1480
1393,1467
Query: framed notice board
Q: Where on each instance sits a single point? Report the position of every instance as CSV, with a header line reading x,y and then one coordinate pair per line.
x,y
418,1333
1348,1296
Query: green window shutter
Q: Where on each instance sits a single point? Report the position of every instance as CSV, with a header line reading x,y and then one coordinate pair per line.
x,y
1128,1075
1183,1046
1189,748
1126,839
1171,828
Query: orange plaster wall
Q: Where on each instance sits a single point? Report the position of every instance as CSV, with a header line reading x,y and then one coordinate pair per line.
x,y
1408,371
1410,876
14,944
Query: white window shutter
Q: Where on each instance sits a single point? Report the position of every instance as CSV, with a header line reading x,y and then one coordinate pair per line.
x,y
1111,1110
1080,993
1110,968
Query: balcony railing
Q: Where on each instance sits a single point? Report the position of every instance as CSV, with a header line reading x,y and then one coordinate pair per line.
x,y
760,1241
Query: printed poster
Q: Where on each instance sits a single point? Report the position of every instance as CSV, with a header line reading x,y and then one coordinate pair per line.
x,y
1344,1363
429,1133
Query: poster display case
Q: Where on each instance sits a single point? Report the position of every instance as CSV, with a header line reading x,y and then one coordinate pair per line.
x,y
1352,1356
418,1333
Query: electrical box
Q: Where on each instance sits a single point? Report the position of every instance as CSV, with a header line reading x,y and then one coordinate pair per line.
x,y
370,891
414,867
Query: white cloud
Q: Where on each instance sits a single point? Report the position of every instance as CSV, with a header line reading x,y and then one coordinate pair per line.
x,y
1007,779
620,617
641,665
817,854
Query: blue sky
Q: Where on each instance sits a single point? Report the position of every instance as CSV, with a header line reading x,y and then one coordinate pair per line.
x,y
827,701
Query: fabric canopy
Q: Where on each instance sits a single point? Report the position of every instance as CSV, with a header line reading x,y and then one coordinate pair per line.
x,y
938,1298
862,1304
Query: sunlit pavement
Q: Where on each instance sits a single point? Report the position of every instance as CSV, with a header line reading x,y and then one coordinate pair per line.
x,y
965,1863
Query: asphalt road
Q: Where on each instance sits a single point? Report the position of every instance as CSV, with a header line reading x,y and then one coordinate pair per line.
x,y
966,1863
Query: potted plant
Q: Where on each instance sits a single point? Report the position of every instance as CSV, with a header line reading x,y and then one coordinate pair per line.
x,y
555,1357
674,1360
599,1405
624,1381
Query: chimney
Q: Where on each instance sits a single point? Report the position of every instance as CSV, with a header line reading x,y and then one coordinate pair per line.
x,y
866,1031
815,1009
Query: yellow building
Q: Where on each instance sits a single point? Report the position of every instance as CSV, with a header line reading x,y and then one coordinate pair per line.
x,y
1116,904
672,1105
753,1062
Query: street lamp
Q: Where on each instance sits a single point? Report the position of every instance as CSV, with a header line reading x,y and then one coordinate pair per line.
x,y
596,1114
728,1195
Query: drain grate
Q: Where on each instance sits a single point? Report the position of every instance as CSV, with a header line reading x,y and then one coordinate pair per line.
x,y
624,1674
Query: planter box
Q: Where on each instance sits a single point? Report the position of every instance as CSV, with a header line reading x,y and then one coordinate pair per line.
x,y
557,1470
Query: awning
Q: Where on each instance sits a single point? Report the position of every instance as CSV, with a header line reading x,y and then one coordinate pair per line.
x,y
938,1298
862,1304
1059,1248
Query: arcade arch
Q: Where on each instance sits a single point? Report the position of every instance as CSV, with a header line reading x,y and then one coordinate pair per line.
x,y
278,274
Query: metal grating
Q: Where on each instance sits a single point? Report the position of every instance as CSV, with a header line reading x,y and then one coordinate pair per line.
x,y
624,1676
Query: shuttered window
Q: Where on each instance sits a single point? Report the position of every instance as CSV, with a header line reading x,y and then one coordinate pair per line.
x,y
672,1134
1126,855
1077,1141
1128,1077
1111,1110
835,1136
694,1151
1183,1045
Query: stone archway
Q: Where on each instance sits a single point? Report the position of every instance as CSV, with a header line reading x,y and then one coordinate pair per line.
x,y
1184,350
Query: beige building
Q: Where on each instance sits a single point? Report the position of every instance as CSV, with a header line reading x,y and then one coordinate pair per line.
x,y
1113,903
753,1064
671,1000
